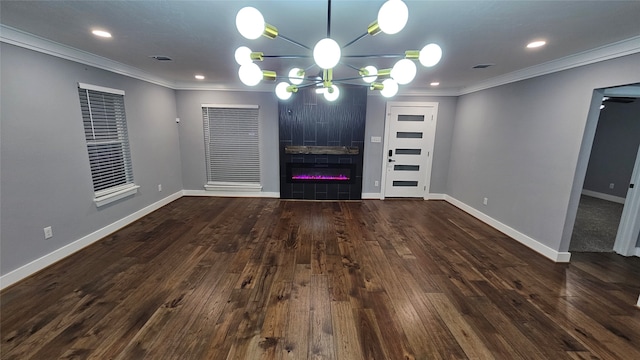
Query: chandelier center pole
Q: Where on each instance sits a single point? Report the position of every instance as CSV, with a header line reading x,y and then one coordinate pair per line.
x,y
329,19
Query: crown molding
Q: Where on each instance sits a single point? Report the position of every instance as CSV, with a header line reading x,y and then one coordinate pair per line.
x,y
29,41
218,87
607,52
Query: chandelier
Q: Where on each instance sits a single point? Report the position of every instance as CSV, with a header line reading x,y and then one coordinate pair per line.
x,y
327,54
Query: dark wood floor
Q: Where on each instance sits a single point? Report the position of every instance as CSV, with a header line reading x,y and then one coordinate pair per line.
x,y
223,278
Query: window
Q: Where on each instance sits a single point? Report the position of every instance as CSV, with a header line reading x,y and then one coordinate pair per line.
x,y
105,130
232,147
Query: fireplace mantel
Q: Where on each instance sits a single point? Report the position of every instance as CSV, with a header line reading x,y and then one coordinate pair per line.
x,y
322,150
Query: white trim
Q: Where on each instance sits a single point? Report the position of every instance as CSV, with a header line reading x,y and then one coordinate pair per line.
x,y
116,195
371,196
61,253
638,304
435,197
637,252
553,255
629,227
25,40
419,92
100,88
603,196
230,106
256,194
233,187
606,52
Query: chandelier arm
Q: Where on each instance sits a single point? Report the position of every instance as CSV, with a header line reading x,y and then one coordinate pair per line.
x,y
280,36
286,56
309,84
341,82
356,39
374,56
349,78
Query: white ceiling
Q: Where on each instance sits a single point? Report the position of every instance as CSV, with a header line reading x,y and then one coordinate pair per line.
x,y
200,36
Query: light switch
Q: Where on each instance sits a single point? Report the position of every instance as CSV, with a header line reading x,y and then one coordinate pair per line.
x,y
376,139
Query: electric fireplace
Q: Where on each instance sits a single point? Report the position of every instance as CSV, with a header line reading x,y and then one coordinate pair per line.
x,y
321,145
320,173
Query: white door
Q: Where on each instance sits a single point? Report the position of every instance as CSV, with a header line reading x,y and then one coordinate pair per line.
x,y
409,138
630,221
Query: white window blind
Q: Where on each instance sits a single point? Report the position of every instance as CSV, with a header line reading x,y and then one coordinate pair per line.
x,y
105,129
231,145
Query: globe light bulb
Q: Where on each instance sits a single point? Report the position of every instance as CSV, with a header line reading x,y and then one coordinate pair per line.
x,y
281,91
326,53
250,74
373,74
393,16
404,71
250,22
294,78
390,88
430,55
243,55
332,94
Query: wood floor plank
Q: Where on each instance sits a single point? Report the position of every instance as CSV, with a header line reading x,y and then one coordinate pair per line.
x,y
255,278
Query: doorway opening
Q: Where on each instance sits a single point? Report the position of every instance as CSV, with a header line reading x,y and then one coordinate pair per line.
x,y
608,212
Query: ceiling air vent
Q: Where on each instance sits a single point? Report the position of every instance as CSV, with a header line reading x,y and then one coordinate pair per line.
x,y
161,58
482,66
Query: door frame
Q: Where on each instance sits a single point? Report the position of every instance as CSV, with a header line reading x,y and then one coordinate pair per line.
x,y
431,134
629,227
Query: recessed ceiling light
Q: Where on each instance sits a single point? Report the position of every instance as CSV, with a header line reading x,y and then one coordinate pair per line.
x,y
101,33
435,83
200,77
536,44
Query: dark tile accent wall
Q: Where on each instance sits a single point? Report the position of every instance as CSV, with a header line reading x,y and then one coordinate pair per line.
x,y
308,119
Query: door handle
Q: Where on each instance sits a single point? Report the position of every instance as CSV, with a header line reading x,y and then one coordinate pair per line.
x,y
391,160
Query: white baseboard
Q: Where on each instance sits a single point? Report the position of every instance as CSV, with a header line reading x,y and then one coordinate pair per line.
x,y
378,196
256,194
61,253
598,195
436,197
371,196
559,257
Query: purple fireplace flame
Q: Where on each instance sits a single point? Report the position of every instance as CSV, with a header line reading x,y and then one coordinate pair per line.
x,y
339,177
320,173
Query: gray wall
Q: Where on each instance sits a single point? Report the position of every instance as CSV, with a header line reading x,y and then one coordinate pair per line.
x,y
614,149
46,179
189,105
519,144
373,156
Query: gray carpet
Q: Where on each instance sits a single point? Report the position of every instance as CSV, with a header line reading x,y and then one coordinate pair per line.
x,y
596,225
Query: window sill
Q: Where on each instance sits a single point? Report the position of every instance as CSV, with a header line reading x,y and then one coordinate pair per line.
x,y
223,186
116,195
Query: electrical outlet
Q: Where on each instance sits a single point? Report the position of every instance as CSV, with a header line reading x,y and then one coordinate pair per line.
x,y
485,201
159,187
611,185
376,183
48,232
